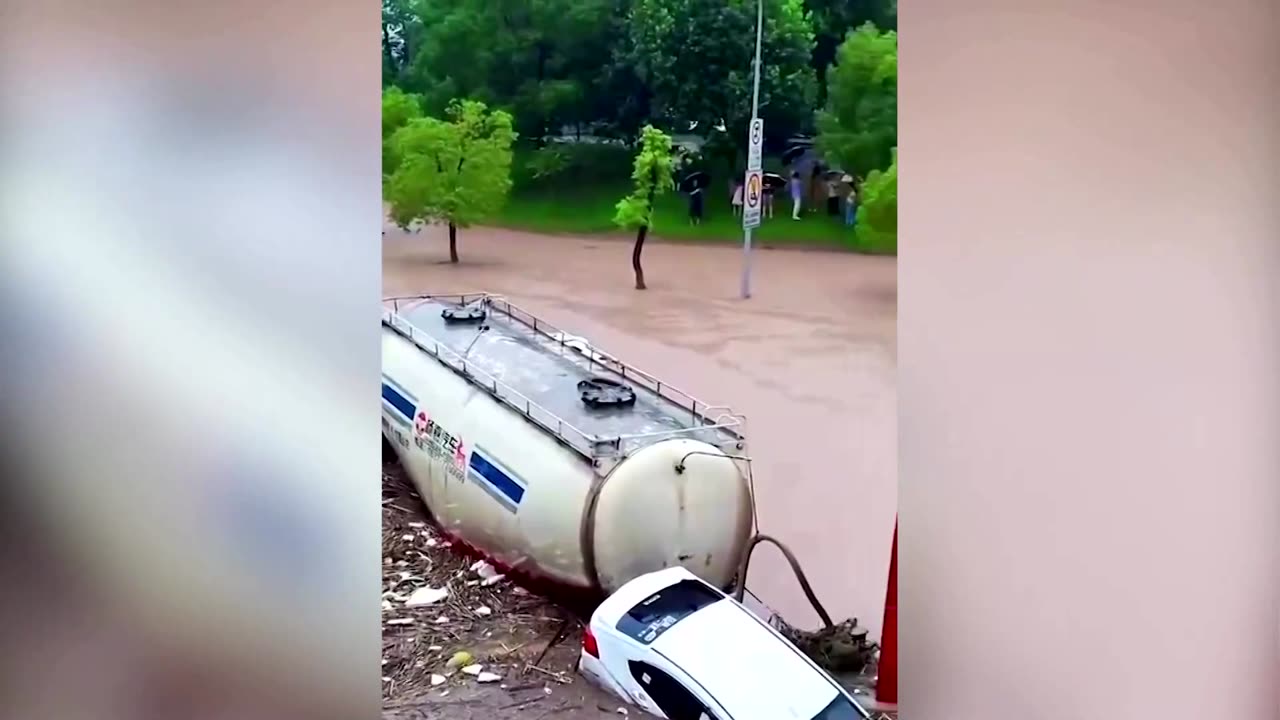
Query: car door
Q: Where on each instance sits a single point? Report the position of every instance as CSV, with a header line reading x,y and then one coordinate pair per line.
x,y
674,700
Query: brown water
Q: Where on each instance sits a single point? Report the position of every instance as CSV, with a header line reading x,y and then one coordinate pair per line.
x,y
810,359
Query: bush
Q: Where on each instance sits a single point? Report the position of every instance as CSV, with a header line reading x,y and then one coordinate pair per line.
x,y
877,227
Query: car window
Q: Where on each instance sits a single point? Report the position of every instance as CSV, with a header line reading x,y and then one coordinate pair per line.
x,y
839,709
661,611
672,697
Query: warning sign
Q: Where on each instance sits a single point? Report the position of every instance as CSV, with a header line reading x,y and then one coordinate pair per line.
x,y
755,144
754,190
753,198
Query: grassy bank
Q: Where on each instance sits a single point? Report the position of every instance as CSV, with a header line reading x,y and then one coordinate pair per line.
x,y
580,199
589,210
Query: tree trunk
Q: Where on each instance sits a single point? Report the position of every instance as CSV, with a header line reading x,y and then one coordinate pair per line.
x,y
453,243
644,230
635,256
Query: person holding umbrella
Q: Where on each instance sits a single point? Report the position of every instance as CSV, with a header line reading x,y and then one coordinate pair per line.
x,y
817,188
793,154
694,184
834,191
773,182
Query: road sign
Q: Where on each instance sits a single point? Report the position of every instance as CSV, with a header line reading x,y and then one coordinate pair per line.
x,y
752,199
755,144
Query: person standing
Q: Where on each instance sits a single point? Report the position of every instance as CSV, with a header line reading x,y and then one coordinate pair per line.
x,y
850,202
817,188
737,198
834,199
695,205
797,192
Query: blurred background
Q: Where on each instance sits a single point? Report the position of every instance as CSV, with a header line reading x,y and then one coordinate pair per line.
x,y
189,370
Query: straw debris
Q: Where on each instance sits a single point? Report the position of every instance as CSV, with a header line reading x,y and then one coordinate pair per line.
x,y
448,621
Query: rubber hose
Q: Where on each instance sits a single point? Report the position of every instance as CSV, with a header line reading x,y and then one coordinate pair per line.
x,y
740,591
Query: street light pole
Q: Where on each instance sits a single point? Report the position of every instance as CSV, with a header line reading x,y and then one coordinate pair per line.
x,y
755,110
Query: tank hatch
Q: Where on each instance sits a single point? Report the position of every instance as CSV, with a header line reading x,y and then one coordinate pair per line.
x,y
470,313
599,392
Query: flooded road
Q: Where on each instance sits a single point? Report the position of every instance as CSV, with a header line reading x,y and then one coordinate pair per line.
x,y
810,360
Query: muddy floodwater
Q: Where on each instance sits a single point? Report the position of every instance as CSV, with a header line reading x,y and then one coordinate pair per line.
x,y
809,359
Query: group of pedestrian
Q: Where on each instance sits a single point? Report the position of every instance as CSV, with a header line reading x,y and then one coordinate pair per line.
x,y
839,191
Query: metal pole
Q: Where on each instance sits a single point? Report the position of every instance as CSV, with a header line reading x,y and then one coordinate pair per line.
x,y
755,110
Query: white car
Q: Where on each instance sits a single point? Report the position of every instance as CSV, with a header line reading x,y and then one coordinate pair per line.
x,y
680,649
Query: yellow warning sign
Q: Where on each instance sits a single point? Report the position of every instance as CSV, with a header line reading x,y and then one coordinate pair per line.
x,y
751,206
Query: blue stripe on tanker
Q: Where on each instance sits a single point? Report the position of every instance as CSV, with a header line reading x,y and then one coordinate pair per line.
x,y
495,479
398,399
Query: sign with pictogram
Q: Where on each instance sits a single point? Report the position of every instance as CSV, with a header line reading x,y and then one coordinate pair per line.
x,y
753,198
755,144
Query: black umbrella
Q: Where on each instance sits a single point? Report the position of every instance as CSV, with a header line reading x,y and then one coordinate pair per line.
x,y
774,181
793,153
694,180
834,174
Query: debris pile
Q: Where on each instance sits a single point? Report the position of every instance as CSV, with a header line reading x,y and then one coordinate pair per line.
x,y
449,622
841,648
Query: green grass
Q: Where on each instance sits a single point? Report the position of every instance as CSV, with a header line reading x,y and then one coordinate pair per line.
x,y
580,199
589,210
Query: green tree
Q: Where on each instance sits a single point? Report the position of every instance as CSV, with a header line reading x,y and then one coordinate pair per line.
x,y
651,177
832,21
543,60
858,128
694,57
398,109
456,171
877,223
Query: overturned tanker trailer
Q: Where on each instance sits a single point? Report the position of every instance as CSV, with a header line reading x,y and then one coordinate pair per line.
x,y
559,463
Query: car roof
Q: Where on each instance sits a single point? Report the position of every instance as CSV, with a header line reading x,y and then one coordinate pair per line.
x,y
632,593
746,666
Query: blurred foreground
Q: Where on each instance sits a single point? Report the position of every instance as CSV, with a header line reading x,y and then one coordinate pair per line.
x,y
189,415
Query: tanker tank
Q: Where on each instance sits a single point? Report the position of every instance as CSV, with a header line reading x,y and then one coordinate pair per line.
x,y
557,462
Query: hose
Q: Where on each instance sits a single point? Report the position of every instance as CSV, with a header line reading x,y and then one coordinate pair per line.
x,y
741,589
751,481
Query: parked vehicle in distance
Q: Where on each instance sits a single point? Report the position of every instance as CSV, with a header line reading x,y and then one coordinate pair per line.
x,y
680,649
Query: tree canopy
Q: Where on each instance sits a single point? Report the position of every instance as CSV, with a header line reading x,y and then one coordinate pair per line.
x,y
456,171
398,108
652,176
832,21
610,66
858,128
542,60
695,59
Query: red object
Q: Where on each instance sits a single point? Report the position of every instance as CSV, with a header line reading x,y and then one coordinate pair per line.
x,y
589,642
887,682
